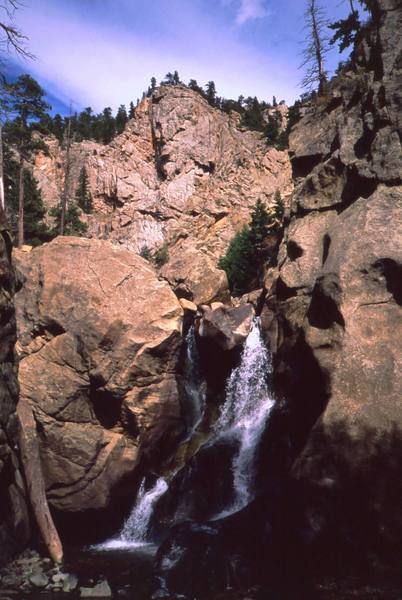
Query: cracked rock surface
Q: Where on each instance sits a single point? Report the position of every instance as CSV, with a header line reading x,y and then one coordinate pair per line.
x,y
98,341
182,174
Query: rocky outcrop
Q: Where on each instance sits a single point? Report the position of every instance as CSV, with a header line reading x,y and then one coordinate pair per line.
x,y
226,327
183,176
14,523
333,314
98,341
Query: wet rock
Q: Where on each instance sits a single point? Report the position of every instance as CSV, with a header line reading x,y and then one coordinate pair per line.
x,y
70,583
39,580
100,590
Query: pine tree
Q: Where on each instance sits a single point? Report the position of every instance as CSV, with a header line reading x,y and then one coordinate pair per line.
x,y
36,230
72,224
210,93
131,112
260,220
346,30
247,252
252,117
169,79
193,85
26,103
121,119
272,129
83,194
85,124
236,262
107,125
279,208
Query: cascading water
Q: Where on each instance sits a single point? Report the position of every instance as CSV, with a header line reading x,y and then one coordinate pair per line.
x,y
194,384
134,532
244,415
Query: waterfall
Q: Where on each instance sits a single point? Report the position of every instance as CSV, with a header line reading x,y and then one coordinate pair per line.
x,y
194,384
134,532
244,415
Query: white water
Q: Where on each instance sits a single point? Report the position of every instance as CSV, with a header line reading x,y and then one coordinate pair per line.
x,y
194,384
134,533
244,415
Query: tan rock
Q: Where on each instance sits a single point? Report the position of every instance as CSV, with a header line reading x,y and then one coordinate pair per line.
x,y
109,342
227,327
188,305
182,174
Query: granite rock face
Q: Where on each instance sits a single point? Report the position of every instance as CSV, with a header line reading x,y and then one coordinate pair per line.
x,y
98,341
333,314
183,176
14,522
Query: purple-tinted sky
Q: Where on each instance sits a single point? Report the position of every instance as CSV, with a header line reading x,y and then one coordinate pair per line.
x,y
103,52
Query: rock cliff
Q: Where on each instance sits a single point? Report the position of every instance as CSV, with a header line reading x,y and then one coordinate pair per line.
x,y
182,175
14,523
333,315
98,342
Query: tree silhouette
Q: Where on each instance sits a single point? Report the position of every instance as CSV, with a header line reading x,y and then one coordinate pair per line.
x,y
316,49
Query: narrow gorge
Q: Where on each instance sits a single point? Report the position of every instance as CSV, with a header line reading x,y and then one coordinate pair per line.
x,y
163,438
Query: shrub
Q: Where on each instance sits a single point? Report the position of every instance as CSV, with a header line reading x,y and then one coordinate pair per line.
x,y
248,251
161,256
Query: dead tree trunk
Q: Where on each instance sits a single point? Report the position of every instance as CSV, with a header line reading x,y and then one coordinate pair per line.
x,y
319,54
66,187
30,456
21,204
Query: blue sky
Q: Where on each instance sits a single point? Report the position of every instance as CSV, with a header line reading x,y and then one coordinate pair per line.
x,y
103,52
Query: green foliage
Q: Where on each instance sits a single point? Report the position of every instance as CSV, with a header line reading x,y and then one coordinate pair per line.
x,y
172,78
272,128
36,230
146,253
121,119
161,256
252,117
346,31
279,207
83,194
247,252
72,225
237,262
210,94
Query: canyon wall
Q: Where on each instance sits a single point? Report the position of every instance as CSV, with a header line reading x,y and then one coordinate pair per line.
x,y
14,523
183,176
333,314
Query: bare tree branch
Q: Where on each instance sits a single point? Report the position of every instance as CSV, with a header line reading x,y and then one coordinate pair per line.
x,y
11,38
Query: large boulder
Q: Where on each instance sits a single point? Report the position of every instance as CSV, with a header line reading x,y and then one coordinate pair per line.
x,y
227,327
14,522
98,340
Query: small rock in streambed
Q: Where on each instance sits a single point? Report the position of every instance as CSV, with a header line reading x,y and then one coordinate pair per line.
x,y
70,583
39,580
101,590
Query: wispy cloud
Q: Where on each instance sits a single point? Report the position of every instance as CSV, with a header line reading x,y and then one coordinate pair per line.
x,y
251,9
108,60
248,10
